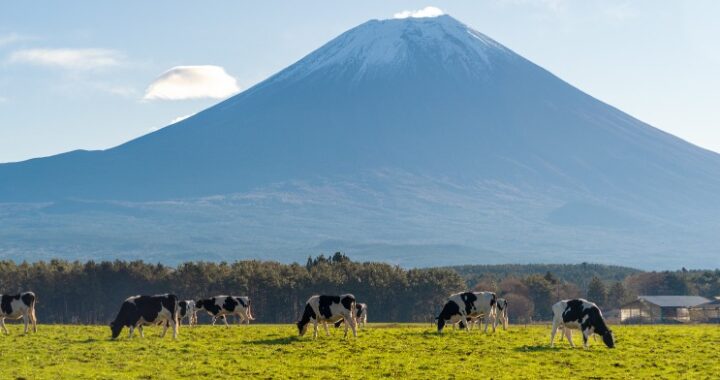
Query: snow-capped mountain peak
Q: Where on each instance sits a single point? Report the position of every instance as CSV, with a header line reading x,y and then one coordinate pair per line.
x,y
402,43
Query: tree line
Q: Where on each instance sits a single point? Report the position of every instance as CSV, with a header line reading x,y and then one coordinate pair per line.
x,y
91,292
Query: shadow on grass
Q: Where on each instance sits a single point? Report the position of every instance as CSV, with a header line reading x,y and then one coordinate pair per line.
x,y
276,341
537,348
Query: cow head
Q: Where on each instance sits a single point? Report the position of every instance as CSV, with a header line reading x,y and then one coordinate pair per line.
x,y
116,328
440,323
302,327
609,339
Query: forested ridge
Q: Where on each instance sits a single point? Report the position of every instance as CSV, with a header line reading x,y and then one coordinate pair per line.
x,y
91,292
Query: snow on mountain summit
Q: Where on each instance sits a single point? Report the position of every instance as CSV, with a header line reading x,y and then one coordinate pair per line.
x,y
403,43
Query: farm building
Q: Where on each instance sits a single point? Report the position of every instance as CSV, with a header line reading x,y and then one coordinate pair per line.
x,y
707,312
659,309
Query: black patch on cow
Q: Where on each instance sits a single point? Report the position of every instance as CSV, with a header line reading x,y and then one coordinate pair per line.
x,y
6,303
209,305
307,315
230,304
28,299
340,322
450,309
493,301
183,308
469,299
574,312
348,302
324,305
242,302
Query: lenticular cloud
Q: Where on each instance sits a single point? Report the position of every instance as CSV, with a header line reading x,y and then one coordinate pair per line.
x,y
420,13
193,82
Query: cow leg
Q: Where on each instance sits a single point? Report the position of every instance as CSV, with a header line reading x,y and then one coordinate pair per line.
x,y
131,328
164,330
225,317
142,332
315,328
353,325
175,326
568,334
586,335
327,332
33,319
554,331
26,321
2,324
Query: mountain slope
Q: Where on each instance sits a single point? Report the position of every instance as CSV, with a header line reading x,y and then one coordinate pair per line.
x,y
428,99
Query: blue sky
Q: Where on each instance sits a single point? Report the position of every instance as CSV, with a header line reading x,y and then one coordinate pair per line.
x,y
91,75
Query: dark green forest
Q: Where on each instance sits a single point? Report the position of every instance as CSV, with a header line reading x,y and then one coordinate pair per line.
x,y
91,292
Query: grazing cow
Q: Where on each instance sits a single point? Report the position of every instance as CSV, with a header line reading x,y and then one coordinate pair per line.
x,y
328,309
582,315
137,311
360,315
222,306
502,312
187,309
461,306
18,306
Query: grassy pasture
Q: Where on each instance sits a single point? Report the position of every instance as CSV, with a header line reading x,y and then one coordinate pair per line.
x,y
412,351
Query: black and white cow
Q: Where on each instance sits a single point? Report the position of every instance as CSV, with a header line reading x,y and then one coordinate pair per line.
x,y
583,315
137,311
18,306
461,306
328,309
501,313
222,306
187,310
360,315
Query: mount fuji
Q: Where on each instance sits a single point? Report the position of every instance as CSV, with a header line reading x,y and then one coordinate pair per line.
x,y
418,141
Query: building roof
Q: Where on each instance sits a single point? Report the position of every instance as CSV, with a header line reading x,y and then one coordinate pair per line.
x,y
674,301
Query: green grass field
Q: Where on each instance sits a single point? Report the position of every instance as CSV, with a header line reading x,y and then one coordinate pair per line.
x,y
407,351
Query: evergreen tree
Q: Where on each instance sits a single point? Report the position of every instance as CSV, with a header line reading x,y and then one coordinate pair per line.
x,y
596,292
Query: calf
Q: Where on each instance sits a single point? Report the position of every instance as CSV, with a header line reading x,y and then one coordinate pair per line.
x,y
137,311
461,306
222,306
18,306
187,310
328,309
583,315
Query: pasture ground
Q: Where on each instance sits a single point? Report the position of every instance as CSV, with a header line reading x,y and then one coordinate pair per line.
x,y
410,351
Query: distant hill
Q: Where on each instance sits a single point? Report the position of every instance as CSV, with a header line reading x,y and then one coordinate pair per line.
x,y
418,141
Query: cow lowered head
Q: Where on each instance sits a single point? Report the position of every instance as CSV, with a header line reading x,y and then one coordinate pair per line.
x,y
583,315
328,309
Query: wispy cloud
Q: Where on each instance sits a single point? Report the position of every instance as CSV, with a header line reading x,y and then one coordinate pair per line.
x,y
420,13
76,59
193,82
7,39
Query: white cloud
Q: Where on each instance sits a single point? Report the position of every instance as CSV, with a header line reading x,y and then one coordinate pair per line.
x,y
79,59
193,82
10,38
420,13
